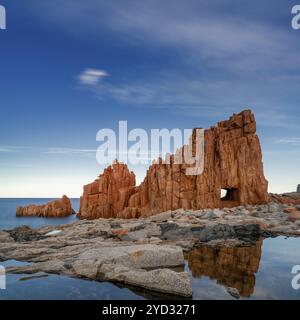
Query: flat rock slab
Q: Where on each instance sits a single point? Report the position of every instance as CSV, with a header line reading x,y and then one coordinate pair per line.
x,y
125,264
161,280
136,256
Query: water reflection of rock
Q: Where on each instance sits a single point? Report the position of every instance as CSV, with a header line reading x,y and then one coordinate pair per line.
x,y
231,266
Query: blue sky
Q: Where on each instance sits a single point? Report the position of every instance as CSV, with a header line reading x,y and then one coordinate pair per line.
x,y
173,64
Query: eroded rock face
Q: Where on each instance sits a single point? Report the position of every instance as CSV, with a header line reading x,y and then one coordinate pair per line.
x,y
292,198
56,208
232,161
109,194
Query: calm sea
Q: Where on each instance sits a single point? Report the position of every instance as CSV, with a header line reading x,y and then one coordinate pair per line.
x,y
260,271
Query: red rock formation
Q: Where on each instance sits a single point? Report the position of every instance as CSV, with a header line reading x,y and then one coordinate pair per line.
x,y
293,216
292,198
232,161
57,208
109,194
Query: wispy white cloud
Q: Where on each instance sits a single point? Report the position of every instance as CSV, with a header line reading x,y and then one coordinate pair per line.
x,y
91,77
7,149
194,29
70,151
294,141
48,150
198,97
223,59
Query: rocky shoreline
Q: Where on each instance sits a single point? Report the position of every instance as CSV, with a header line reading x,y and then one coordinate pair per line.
x,y
143,252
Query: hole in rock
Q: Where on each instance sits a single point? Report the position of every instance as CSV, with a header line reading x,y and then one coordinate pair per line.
x,y
223,193
229,197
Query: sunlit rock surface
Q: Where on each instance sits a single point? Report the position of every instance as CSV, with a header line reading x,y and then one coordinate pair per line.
x,y
232,161
56,208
